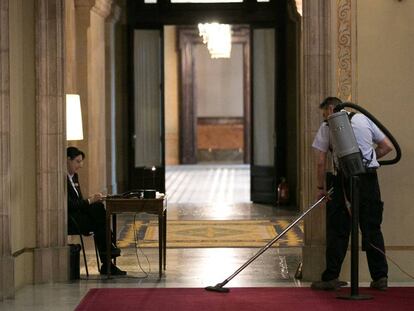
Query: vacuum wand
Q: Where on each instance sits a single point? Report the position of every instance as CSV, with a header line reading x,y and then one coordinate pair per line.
x,y
219,287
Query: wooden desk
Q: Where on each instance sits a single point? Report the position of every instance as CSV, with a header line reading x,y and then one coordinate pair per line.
x,y
133,205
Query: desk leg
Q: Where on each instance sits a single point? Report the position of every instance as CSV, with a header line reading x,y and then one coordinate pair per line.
x,y
108,244
160,242
113,238
165,238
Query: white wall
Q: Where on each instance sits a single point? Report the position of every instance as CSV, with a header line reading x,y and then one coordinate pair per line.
x,y
385,80
171,95
386,88
218,83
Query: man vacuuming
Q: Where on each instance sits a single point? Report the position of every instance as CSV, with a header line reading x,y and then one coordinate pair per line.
x,y
373,145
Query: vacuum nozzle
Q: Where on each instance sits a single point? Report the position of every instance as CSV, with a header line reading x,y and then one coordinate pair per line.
x,y
218,288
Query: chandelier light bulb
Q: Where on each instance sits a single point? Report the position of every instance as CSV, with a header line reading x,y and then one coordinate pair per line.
x,y
217,37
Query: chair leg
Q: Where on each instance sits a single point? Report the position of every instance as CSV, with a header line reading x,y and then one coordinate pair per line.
x,y
84,255
97,256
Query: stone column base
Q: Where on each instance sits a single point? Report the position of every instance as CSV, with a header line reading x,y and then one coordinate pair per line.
x,y
313,259
51,264
6,277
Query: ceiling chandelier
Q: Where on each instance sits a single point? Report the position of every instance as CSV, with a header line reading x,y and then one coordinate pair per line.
x,y
217,37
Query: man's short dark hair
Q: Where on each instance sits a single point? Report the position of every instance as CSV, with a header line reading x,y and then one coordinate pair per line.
x,y
330,101
73,152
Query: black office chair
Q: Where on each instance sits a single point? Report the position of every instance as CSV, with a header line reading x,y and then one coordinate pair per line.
x,y
73,229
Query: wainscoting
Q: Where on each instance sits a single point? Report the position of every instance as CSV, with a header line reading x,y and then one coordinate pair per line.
x,y
220,140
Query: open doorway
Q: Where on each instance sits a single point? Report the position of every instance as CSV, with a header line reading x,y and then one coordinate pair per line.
x,y
273,90
212,119
215,99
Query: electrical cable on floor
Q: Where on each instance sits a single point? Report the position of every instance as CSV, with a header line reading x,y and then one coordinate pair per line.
x,y
284,270
390,259
142,252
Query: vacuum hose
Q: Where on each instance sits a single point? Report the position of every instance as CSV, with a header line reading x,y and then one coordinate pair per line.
x,y
381,127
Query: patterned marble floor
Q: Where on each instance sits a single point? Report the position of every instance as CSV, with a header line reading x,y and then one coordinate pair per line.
x,y
210,192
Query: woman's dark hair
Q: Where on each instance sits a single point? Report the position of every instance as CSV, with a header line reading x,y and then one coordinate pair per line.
x,y
73,152
330,101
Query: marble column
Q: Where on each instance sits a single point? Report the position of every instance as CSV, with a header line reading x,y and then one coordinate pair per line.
x,y
51,253
110,88
317,85
91,80
6,259
70,48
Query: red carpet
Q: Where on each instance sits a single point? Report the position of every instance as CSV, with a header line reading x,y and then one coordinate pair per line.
x,y
241,299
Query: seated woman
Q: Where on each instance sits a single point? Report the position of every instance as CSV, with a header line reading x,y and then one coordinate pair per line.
x,y
89,213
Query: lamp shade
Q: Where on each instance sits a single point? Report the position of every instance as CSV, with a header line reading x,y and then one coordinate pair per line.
x,y
74,130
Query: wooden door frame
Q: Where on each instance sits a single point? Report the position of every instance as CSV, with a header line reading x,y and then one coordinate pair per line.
x,y
188,37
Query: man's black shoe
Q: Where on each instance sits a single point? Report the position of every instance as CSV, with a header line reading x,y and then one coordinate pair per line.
x,y
380,284
328,285
114,270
